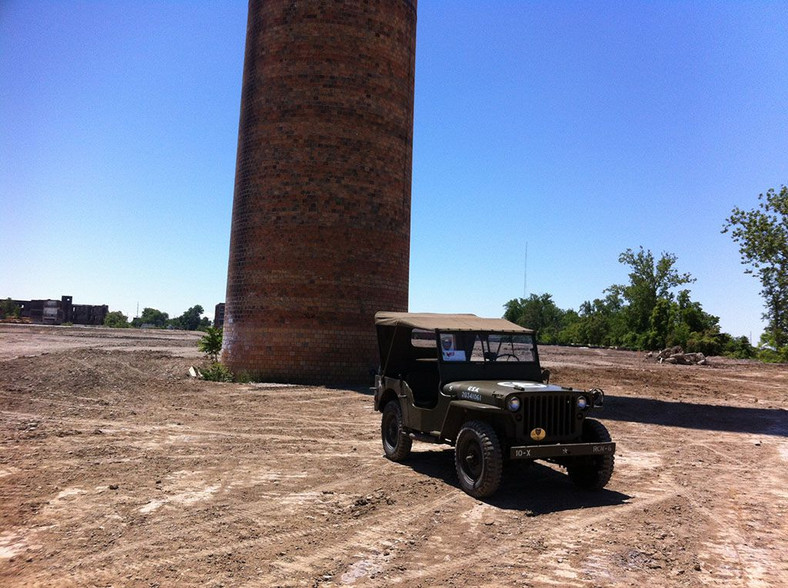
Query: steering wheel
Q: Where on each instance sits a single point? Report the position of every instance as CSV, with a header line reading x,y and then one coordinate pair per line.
x,y
507,356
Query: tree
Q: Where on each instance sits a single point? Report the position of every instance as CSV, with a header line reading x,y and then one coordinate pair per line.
x,y
211,343
649,282
601,322
762,236
539,313
740,348
9,309
116,319
151,316
692,314
189,320
659,325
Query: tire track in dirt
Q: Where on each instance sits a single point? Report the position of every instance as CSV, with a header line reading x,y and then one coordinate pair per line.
x,y
556,563
551,558
326,531
272,501
255,510
375,532
265,432
748,535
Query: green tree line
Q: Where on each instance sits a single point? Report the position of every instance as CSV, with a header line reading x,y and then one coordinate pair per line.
x,y
190,320
653,312
649,312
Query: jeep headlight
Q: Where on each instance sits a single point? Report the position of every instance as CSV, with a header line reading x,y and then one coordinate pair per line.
x,y
513,403
582,402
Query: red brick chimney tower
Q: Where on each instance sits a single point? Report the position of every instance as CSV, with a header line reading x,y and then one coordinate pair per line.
x,y
321,215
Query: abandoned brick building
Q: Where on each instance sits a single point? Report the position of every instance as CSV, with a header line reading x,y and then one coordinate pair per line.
x,y
320,235
57,312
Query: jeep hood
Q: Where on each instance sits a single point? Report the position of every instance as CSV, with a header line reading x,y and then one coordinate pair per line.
x,y
493,388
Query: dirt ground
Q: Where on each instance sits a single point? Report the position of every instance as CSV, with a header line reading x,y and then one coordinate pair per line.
x,y
117,469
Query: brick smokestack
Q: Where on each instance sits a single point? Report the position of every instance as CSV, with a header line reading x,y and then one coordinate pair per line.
x,y
321,214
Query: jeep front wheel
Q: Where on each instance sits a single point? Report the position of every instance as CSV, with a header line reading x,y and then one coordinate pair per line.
x,y
478,459
593,472
396,444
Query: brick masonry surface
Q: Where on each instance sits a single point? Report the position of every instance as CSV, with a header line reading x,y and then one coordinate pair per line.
x,y
321,214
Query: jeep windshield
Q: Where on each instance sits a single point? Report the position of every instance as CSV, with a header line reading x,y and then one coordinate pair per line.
x,y
469,355
463,346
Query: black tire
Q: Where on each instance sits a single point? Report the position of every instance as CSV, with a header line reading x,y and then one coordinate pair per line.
x,y
593,472
396,444
478,459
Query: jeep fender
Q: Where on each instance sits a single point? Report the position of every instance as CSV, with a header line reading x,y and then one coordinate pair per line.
x,y
461,411
382,400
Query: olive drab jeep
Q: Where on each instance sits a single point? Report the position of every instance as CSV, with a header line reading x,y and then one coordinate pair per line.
x,y
476,384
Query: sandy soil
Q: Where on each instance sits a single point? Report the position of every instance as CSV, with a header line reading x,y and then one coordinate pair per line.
x,y
117,469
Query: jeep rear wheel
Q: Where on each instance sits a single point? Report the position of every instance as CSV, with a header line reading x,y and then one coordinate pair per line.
x,y
478,459
396,444
592,472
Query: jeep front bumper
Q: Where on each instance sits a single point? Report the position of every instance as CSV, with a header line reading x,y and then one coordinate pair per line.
x,y
562,450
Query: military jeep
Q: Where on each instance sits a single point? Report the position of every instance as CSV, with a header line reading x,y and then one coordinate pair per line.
x,y
476,384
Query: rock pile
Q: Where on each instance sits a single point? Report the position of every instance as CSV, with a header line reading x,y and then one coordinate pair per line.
x,y
676,355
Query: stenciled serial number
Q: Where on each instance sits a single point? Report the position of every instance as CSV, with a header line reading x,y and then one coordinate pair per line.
x,y
468,395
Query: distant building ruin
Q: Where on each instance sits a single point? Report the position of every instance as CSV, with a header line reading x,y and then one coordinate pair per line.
x,y
218,315
57,312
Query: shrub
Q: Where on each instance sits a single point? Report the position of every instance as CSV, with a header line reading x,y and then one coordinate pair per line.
x,y
8,309
740,348
768,355
706,343
116,320
217,372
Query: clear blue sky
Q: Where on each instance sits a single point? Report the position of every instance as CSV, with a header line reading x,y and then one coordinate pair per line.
x,y
578,128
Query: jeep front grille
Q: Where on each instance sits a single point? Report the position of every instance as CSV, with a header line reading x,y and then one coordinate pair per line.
x,y
555,413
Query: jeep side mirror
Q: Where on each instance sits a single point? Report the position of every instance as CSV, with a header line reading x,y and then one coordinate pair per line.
x,y
546,376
